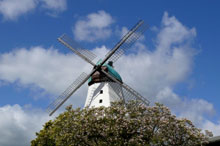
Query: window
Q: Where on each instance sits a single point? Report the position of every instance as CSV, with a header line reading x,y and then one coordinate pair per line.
x,y
101,91
100,101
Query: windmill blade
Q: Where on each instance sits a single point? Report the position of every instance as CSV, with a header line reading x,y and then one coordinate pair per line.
x,y
126,42
75,47
131,94
128,92
67,93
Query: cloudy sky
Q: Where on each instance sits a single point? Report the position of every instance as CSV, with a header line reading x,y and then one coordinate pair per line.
x,y
174,63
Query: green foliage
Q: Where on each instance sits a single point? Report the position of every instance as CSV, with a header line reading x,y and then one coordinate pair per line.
x,y
119,125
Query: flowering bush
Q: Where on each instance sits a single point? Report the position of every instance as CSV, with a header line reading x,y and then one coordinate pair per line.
x,y
119,124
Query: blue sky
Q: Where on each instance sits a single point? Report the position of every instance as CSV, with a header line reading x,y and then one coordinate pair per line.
x,y
177,58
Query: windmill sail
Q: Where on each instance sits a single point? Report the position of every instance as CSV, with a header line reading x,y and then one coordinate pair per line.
x,y
131,94
127,93
129,39
67,93
75,47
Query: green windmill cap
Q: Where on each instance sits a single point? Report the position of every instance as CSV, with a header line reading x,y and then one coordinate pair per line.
x,y
111,71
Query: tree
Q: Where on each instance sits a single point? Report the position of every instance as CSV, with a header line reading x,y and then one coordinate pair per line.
x,y
119,124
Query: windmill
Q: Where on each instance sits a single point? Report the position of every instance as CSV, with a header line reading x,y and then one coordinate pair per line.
x,y
105,84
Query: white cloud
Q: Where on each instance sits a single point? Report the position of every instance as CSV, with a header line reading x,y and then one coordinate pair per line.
x,y
94,27
59,5
196,110
54,6
167,97
173,32
168,64
47,69
13,9
121,32
18,125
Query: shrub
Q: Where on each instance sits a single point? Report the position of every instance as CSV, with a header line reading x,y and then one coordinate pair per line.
x,y
119,125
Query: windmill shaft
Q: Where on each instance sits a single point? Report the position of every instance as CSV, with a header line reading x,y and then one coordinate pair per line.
x,y
122,41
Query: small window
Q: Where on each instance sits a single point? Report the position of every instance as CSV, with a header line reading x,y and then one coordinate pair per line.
x,y
101,91
100,101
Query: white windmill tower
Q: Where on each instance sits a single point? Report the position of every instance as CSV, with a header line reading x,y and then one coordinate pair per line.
x,y
105,84
102,91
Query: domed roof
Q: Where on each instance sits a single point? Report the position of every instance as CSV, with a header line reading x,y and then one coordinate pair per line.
x,y
107,68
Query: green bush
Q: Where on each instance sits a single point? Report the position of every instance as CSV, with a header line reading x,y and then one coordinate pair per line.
x,y
119,125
